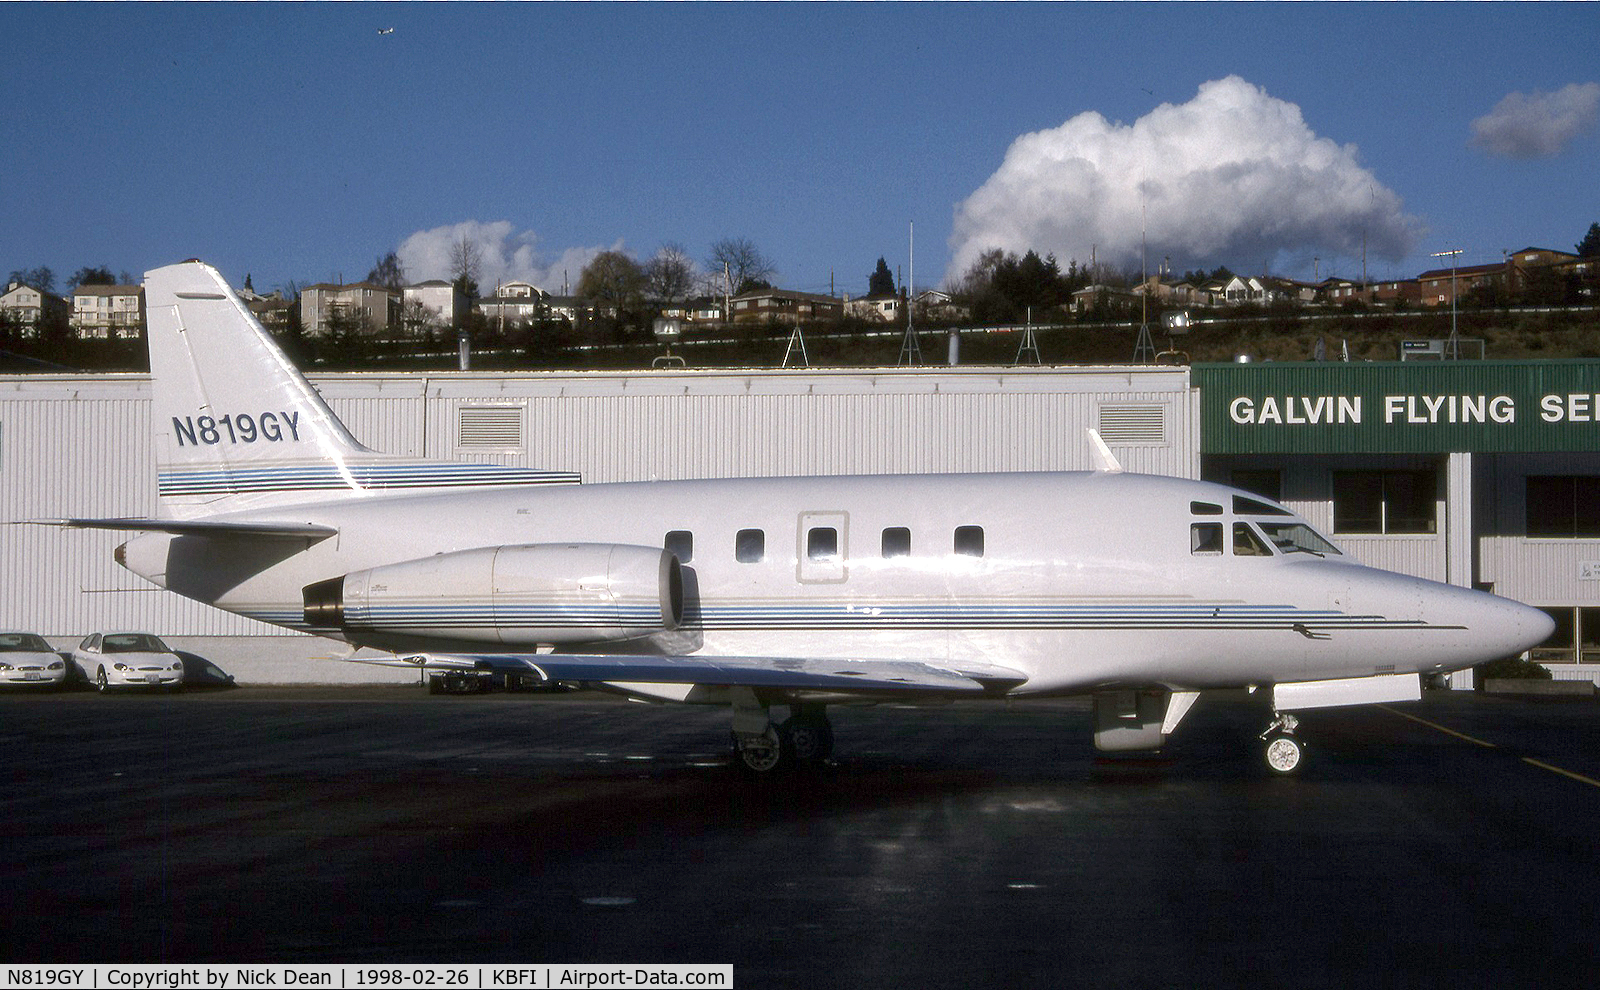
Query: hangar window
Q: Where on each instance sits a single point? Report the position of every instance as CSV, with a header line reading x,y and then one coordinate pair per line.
x,y
1205,538
1559,648
1252,507
1384,502
1563,506
897,542
750,546
1268,483
680,543
969,541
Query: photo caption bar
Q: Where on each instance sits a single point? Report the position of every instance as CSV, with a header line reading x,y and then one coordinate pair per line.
x,y
587,976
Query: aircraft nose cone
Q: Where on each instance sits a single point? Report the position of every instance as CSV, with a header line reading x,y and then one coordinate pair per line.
x,y
1529,626
1502,628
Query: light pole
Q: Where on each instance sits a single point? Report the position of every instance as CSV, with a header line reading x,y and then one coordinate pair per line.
x,y
1452,349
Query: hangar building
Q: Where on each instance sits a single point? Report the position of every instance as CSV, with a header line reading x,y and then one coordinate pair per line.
x,y
79,447
1481,474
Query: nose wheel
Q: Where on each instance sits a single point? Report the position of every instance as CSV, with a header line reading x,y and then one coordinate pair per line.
x,y
1284,751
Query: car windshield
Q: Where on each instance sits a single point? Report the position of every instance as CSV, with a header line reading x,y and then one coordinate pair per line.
x,y
1296,538
133,643
23,643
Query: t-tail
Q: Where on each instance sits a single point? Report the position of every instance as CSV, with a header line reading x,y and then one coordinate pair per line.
x,y
236,426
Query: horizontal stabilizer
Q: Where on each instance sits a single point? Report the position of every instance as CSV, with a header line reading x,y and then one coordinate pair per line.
x,y
782,673
197,527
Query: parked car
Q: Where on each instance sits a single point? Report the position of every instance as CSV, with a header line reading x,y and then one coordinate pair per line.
x,y
125,659
26,659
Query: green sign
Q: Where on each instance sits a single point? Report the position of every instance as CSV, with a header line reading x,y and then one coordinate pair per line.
x,y
1408,407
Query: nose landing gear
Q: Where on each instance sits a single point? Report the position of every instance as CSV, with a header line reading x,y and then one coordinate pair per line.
x,y
1284,752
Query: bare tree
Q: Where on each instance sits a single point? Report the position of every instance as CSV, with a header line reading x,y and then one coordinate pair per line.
x,y
388,273
670,276
747,267
466,264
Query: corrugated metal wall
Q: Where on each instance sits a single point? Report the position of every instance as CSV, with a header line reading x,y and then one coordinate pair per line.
x,y
1540,571
78,446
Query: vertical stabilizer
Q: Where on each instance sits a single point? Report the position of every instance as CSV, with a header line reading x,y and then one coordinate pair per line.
x,y
237,426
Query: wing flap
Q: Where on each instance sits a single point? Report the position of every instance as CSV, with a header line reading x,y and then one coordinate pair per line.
x,y
781,673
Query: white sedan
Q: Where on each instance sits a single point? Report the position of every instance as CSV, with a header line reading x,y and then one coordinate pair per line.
x,y
26,659
111,660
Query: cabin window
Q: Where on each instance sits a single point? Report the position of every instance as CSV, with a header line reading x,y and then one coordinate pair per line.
x,y
750,546
1563,506
1251,507
822,543
1383,502
1205,509
1246,543
897,542
969,541
1205,538
680,543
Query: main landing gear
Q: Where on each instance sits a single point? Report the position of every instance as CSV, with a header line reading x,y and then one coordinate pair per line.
x,y
1284,752
805,737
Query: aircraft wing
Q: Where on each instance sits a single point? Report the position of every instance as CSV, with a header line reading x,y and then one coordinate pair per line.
x,y
781,673
200,527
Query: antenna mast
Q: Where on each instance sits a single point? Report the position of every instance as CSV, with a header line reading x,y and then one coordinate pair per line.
x,y
910,351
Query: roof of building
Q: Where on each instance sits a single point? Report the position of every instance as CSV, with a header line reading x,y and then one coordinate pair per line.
x,y
108,290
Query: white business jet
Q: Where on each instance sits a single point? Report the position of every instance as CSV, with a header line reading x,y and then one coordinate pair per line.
x,y
1141,591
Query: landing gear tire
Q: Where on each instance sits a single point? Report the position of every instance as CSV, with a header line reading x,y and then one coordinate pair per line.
x,y
1283,753
763,754
809,738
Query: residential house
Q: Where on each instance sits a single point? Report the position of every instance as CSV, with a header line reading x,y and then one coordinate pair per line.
x,y
880,309
271,310
376,306
28,307
785,306
108,311
932,304
1103,299
433,304
1441,286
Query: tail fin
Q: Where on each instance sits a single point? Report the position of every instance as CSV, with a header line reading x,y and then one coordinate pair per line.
x,y
236,426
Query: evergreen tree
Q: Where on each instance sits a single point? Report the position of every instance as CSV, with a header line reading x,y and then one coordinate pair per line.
x,y
881,281
1589,247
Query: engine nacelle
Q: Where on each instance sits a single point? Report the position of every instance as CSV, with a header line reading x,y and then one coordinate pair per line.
x,y
558,593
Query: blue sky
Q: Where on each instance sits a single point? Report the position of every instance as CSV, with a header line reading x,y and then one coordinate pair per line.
x,y
294,142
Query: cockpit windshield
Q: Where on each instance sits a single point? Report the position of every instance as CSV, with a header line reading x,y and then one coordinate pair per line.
x,y
1296,537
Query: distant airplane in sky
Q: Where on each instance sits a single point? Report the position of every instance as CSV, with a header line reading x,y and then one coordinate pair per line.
x,y
764,593
386,30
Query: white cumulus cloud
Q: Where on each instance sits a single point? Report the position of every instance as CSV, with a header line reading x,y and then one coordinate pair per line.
x,y
507,255
1538,125
1233,176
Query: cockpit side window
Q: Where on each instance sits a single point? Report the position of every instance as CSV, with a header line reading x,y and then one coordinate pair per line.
x,y
1246,543
1205,538
1297,538
1205,509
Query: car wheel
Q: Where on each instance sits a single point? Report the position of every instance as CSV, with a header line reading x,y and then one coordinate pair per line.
x,y
100,683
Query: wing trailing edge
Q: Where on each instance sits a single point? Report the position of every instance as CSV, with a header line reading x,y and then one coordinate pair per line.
x,y
779,673
200,527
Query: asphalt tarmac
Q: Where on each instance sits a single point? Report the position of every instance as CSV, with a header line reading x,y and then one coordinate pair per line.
x,y
1450,842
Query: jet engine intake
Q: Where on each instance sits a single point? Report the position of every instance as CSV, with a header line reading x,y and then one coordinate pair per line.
x,y
556,593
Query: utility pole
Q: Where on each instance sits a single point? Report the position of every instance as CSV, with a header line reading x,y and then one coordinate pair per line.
x,y
1452,348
